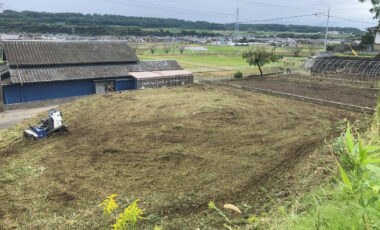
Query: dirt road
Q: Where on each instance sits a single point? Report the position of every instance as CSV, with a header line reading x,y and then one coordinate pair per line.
x,y
9,118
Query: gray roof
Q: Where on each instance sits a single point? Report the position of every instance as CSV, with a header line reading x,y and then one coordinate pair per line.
x,y
31,53
65,73
95,71
3,68
160,65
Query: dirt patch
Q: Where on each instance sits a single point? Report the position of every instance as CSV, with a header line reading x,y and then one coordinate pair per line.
x,y
313,89
61,197
191,145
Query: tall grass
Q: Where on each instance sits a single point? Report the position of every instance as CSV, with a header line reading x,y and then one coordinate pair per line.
x,y
353,202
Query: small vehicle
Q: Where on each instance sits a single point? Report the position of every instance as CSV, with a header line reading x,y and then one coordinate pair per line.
x,y
48,127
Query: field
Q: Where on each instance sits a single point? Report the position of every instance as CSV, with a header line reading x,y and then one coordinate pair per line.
x,y
364,97
223,61
175,149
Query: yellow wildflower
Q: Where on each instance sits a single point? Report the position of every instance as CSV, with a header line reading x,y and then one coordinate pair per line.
x,y
109,204
129,218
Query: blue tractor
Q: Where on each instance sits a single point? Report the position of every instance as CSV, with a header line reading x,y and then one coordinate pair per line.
x,y
48,127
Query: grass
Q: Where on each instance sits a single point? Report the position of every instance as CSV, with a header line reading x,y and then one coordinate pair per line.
x,y
330,206
175,149
223,61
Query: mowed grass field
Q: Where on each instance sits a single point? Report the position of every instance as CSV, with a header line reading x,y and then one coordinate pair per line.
x,y
223,61
175,149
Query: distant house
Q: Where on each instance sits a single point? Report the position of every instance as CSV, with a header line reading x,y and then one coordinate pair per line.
x,y
375,30
10,37
43,70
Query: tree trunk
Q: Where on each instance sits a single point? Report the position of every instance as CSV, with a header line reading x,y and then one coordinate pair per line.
x,y
261,72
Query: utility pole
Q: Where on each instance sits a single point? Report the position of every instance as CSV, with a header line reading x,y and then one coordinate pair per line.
x,y
237,24
327,27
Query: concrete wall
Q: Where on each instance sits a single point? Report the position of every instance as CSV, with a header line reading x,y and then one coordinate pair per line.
x,y
165,82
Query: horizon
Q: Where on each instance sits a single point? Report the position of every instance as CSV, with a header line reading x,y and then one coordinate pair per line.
x,y
297,12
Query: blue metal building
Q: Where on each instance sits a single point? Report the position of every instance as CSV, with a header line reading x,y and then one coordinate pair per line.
x,y
42,70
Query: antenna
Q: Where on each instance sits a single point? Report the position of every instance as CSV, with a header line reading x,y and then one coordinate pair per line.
x,y
237,24
327,26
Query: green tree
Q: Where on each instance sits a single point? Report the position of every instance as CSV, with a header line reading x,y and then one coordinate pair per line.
x,y
259,57
368,39
375,7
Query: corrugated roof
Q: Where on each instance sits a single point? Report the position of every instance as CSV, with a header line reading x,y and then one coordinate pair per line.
x,y
3,68
94,71
29,53
159,74
159,65
65,73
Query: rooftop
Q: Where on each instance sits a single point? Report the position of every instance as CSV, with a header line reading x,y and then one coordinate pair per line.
x,y
44,53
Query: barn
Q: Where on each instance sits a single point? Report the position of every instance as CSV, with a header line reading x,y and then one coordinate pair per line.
x,y
44,70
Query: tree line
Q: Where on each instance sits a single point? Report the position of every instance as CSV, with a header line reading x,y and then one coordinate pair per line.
x,y
99,24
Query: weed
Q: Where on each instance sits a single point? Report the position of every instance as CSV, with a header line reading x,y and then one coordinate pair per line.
x,y
128,219
212,205
109,205
362,177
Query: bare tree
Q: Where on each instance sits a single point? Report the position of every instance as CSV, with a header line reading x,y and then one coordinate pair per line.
x,y
167,47
297,50
153,47
312,48
181,48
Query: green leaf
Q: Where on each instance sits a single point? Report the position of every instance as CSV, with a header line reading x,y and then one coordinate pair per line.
x,y
371,161
373,169
349,141
375,154
345,178
371,149
362,152
372,200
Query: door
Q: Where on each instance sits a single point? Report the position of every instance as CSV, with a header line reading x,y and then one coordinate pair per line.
x,y
102,87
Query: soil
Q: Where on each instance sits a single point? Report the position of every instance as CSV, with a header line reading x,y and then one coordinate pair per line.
x,y
364,97
175,149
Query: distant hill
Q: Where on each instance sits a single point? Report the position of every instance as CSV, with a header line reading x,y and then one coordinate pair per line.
x,y
98,24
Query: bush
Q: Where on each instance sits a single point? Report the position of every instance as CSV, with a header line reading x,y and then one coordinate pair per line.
x,y
238,74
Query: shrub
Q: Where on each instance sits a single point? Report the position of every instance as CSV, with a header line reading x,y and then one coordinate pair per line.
x,y
238,74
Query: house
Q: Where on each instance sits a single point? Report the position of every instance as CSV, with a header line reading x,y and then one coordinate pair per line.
x,y
43,70
10,37
376,32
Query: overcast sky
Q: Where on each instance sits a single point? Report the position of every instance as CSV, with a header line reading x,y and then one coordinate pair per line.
x,y
222,11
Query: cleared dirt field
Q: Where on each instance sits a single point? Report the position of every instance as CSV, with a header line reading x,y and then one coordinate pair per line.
x,y
174,149
314,89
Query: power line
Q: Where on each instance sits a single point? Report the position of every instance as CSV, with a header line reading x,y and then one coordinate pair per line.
x,y
213,14
282,18
156,6
351,20
278,5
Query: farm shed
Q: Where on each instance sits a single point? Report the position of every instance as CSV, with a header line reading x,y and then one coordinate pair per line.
x,y
42,70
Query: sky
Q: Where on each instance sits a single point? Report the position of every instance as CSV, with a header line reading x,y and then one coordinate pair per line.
x,y
220,11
